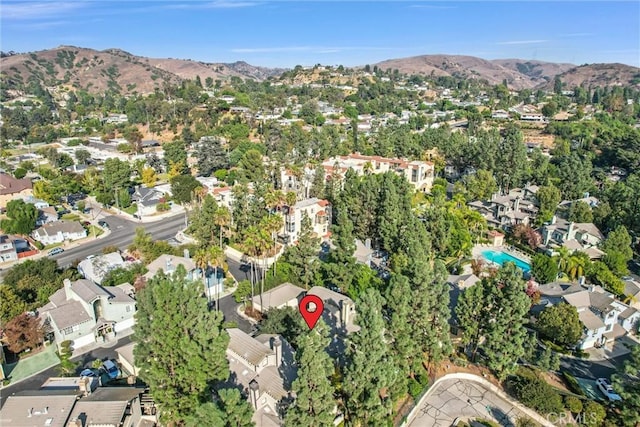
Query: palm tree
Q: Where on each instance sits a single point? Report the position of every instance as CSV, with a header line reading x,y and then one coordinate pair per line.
x,y
563,258
222,218
576,265
201,259
251,244
216,259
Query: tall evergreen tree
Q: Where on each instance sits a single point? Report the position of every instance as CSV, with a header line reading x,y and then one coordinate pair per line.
x,y
400,333
180,345
211,156
506,337
303,256
495,310
369,372
314,404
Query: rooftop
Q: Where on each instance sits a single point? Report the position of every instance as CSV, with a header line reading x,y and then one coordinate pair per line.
x,y
37,408
247,348
278,296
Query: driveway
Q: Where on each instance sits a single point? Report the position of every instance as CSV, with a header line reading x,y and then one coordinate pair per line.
x,y
462,398
228,306
35,381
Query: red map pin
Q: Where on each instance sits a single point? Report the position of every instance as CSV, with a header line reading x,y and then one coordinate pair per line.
x,y
311,307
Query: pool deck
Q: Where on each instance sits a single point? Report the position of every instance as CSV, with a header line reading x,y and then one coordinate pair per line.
x,y
477,250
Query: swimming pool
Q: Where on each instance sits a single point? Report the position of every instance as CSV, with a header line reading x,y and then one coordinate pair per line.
x,y
500,258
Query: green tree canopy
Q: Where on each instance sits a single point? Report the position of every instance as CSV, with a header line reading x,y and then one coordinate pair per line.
x,y
21,217
180,345
560,324
544,268
182,187
314,404
617,245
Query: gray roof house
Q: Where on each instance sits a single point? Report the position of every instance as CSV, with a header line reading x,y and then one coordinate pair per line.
x,y
604,318
108,406
37,408
584,236
59,231
147,199
85,312
264,369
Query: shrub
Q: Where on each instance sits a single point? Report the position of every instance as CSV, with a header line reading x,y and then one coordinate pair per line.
x,y
163,207
594,413
572,383
573,404
415,388
534,392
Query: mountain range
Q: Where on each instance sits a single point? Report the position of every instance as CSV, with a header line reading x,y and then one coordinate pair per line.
x,y
96,71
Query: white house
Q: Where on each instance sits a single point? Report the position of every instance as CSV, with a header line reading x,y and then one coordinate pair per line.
x,y
419,173
85,312
317,210
59,231
147,199
96,268
603,317
575,236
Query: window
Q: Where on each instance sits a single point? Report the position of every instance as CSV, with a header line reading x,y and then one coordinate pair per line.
x,y
70,330
128,308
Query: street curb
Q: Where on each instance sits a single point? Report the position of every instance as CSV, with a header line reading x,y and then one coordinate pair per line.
x,y
491,387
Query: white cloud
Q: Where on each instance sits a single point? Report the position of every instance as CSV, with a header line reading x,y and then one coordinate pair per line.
x,y
35,10
219,4
524,42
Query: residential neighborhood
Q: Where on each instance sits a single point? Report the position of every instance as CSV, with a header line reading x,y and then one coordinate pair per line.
x,y
434,240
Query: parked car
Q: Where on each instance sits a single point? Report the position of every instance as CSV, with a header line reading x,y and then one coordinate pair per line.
x,y
55,251
111,369
103,224
88,373
607,390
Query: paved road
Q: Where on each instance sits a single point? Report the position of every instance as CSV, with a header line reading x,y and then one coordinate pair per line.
x,y
228,306
457,398
34,382
584,368
122,233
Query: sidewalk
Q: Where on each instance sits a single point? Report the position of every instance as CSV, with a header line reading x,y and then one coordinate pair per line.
x,y
65,245
174,211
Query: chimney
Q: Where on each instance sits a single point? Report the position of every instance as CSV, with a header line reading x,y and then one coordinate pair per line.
x,y
581,280
345,312
254,391
29,412
276,346
367,243
570,231
554,219
84,386
169,266
67,289
591,288
186,253
516,204
45,410
74,422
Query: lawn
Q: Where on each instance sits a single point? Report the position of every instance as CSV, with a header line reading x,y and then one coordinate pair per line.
x,y
32,364
94,229
131,209
71,217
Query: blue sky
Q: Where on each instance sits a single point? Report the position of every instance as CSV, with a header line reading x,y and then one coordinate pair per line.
x,y
287,33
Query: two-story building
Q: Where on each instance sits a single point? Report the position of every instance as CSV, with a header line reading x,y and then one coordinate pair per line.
x,y
85,312
519,206
581,236
264,369
317,210
604,318
12,188
419,173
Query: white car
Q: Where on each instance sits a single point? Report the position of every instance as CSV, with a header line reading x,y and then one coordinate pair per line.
x,y
607,390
